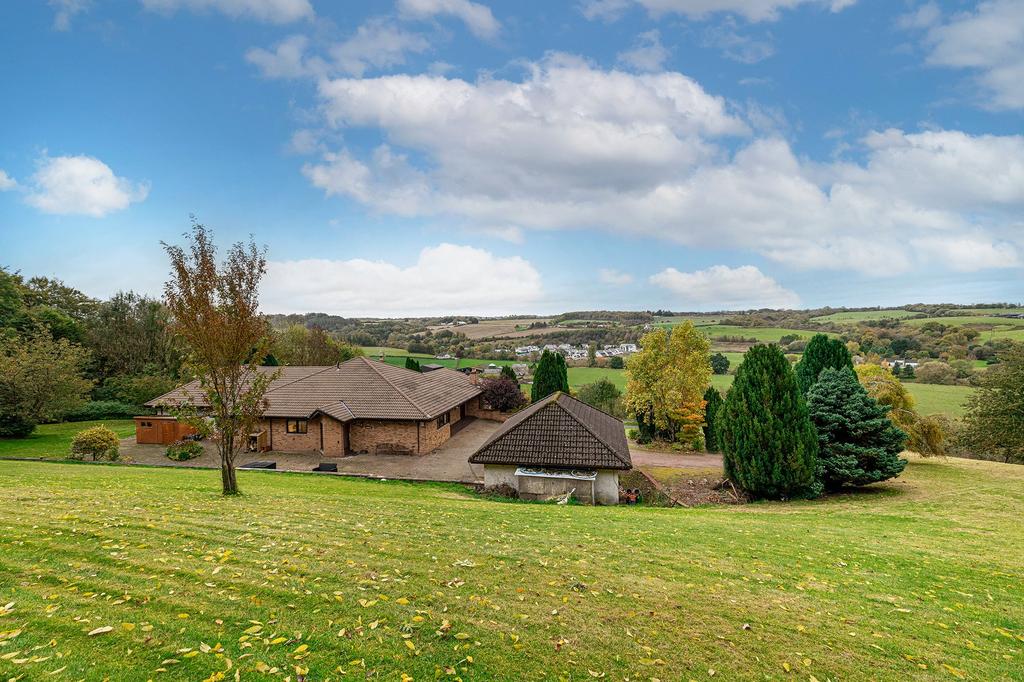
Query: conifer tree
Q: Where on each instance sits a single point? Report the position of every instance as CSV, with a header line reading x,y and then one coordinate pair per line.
x,y
769,444
508,373
413,364
857,443
821,353
549,376
712,402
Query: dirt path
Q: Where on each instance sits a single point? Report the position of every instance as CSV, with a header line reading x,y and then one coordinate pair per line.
x,y
678,460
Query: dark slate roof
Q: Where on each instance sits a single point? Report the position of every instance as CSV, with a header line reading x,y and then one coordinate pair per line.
x,y
558,432
357,389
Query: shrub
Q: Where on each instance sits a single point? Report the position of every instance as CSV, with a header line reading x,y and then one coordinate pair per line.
x,y
502,394
98,442
616,362
184,450
413,364
769,444
508,373
857,444
820,354
102,409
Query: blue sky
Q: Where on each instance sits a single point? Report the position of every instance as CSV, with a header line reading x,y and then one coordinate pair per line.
x,y
416,157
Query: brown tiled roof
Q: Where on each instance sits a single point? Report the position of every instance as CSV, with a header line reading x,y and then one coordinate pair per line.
x,y
357,389
559,432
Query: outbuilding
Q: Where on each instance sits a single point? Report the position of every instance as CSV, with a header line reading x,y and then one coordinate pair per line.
x,y
557,446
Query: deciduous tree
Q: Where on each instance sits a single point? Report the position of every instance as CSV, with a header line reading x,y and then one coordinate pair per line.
x,y
215,312
719,364
502,394
40,379
994,424
769,445
665,384
604,395
926,433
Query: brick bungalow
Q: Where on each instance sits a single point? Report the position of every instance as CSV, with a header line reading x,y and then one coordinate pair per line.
x,y
360,406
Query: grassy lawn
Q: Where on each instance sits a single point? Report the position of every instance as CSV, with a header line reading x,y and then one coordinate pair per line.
x,y
579,376
54,440
369,580
937,399
854,316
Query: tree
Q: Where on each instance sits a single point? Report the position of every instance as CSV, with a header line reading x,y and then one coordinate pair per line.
x,y
603,395
130,334
298,344
926,434
413,364
719,364
712,402
665,384
821,353
215,312
508,373
936,373
769,445
857,444
994,423
502,394
592,355
551,375
40,379
616,362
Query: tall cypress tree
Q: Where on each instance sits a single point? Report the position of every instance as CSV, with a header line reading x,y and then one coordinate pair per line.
x,y
413,364
712,402
563,373
857,444
821,353
769,445
549,376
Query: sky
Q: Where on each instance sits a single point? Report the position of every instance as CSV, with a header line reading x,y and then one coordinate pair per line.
x,y
423,157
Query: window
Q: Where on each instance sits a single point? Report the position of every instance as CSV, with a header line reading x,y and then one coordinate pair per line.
x,y
295,426
443,419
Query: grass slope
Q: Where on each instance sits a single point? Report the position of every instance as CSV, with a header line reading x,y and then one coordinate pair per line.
x,y
357,579
51,440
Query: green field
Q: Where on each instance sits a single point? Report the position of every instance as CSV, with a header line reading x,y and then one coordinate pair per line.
x,y
49,440
970,320
937,399
762,334
399,361
356,579
992,311
854,316
580,376
376,351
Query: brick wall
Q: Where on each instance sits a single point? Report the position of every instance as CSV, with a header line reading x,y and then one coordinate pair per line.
x,y
334,437
282,441
474,409
383,437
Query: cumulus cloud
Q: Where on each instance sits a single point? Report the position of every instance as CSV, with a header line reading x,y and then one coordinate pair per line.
x,y
988,41
446,278
269,11
570,146
721,287
647,54
6,181
477,18
81,185
614,277
751,10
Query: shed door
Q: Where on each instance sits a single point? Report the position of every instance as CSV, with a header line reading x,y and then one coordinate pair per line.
x,y
168,431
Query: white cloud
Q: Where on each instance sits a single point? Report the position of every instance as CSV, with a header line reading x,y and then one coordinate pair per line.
x,y
446,278
970,254
377,44
736,46
6,181
723,288
477,18
647,54
81,185
573,147
988,41
66,11
270,11
751,10
612,276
